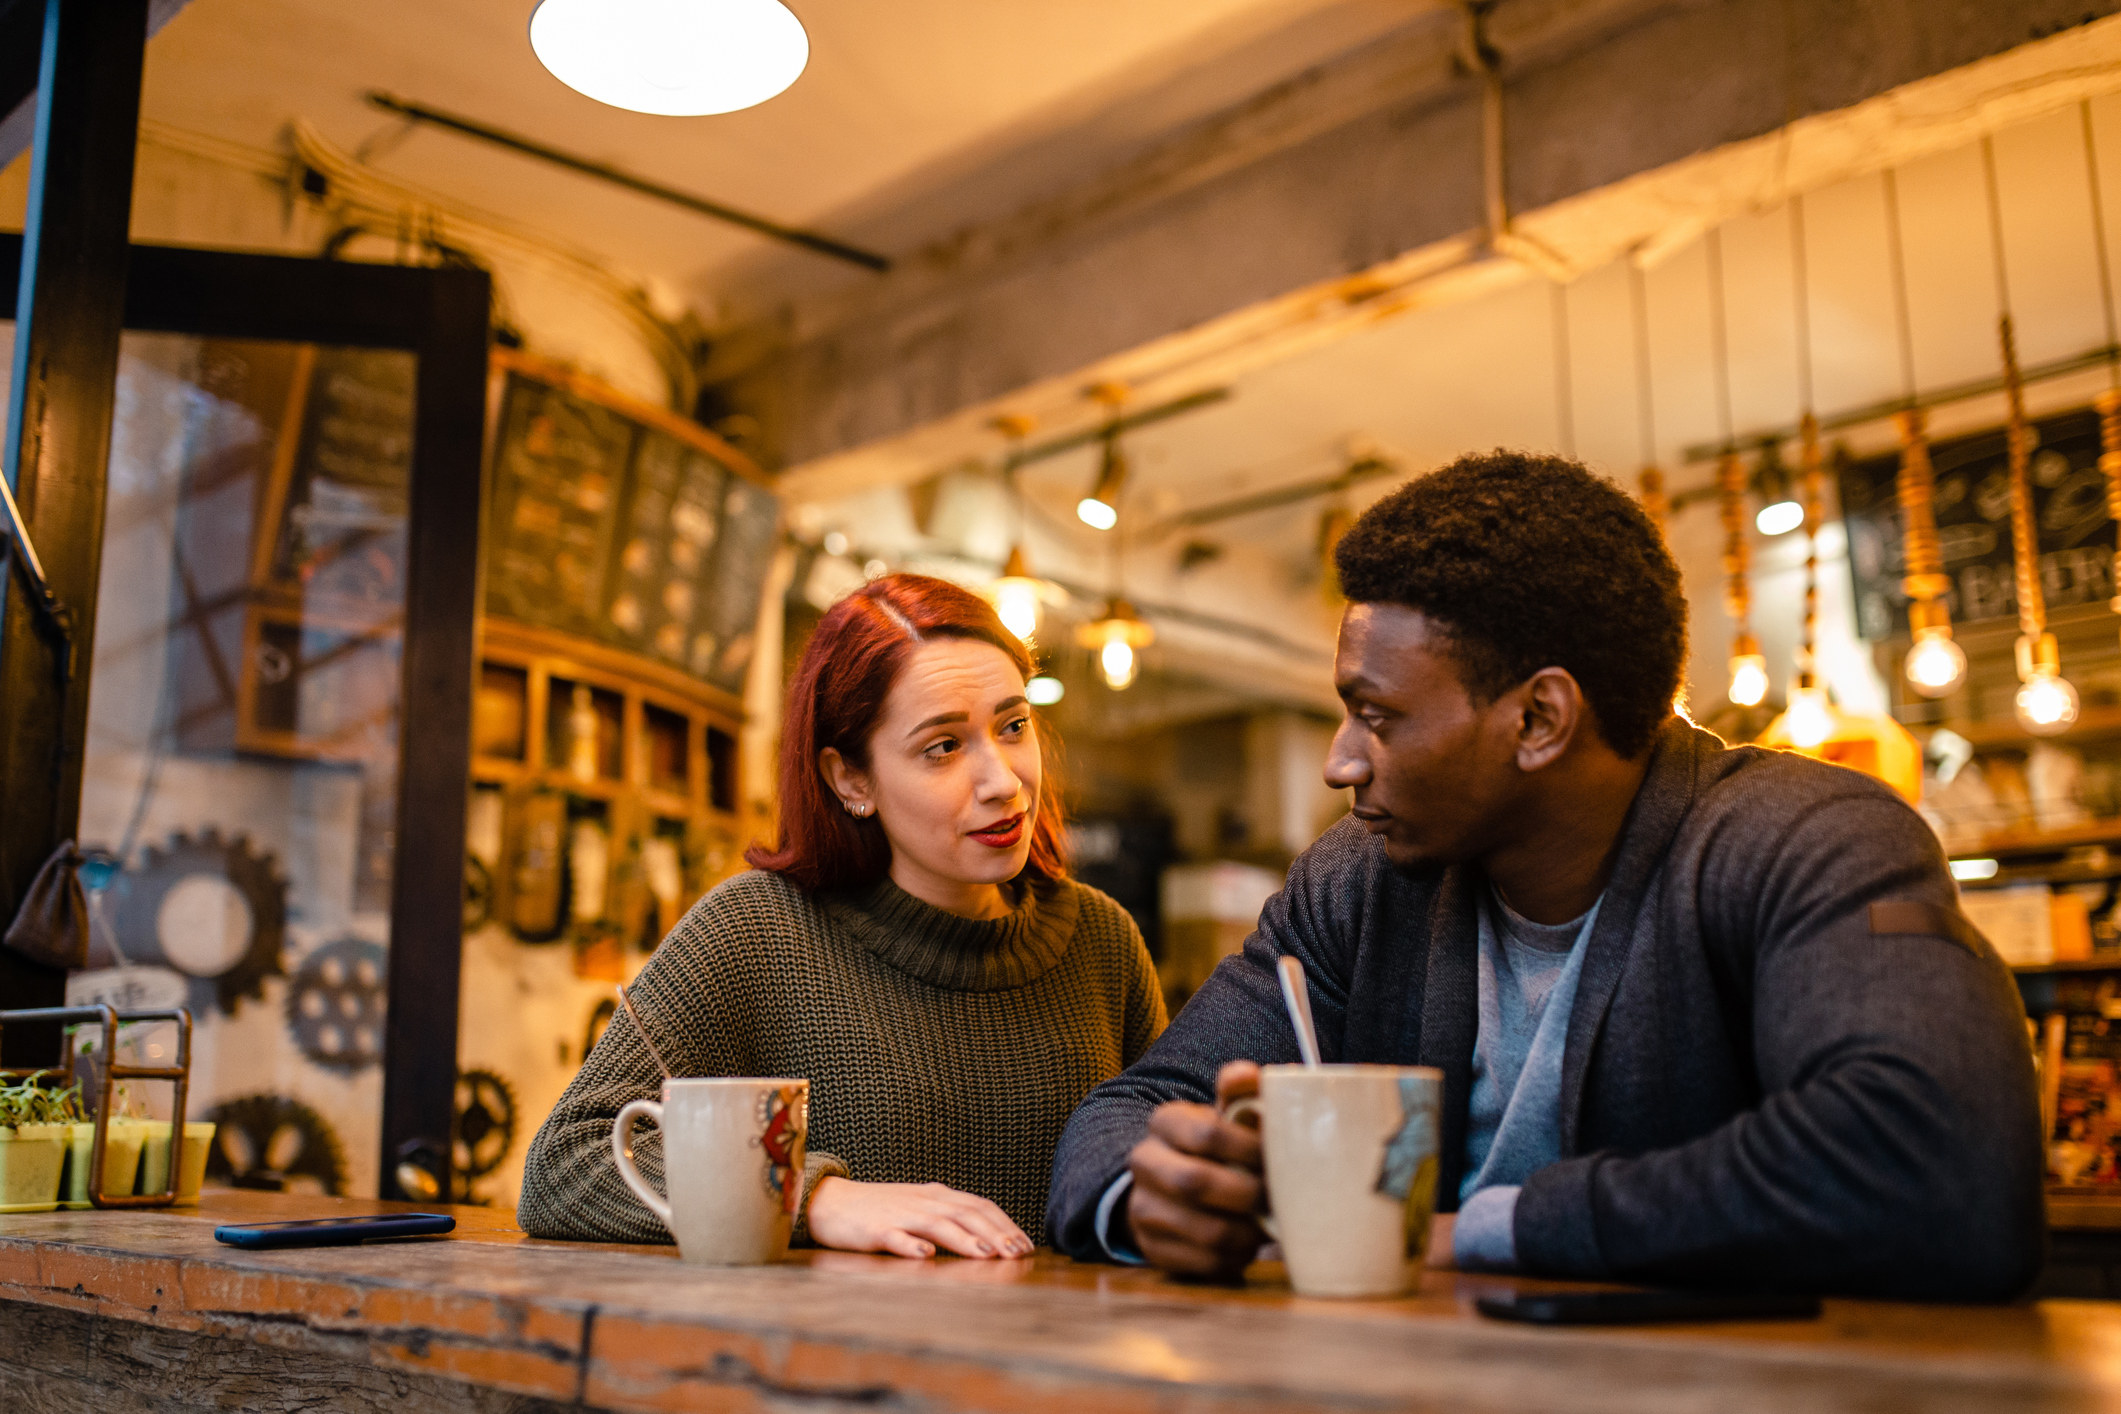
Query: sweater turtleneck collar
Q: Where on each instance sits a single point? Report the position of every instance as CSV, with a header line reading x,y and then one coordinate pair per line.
x,y
964,954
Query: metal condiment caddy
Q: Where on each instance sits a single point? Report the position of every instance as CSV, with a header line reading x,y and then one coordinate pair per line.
x,y
110,1071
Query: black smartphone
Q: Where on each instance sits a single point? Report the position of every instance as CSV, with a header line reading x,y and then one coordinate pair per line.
x,y
335,1232
1628,1308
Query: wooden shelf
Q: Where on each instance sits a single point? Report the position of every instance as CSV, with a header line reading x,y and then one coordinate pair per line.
x,y
2083,1209
2093,724
2035,969
2012,842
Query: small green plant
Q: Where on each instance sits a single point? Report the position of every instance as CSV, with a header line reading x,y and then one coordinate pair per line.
x,y
27,1102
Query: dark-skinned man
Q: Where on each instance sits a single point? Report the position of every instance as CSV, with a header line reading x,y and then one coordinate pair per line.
x,y
1706,1015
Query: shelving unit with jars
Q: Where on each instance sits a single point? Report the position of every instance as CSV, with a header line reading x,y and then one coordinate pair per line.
x,y
605,789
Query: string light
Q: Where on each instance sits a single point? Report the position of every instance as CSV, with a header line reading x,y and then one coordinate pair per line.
x,y
1810,718
1748,669
2046,702
2108,402
1935,665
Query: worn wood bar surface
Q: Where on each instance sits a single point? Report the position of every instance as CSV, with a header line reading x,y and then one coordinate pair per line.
x,y
125,1310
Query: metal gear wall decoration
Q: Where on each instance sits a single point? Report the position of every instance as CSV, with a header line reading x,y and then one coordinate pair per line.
x,y
336,1001
274,1143
485,1128
255,876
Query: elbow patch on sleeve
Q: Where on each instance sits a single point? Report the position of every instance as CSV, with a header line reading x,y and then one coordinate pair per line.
x,y
1914,917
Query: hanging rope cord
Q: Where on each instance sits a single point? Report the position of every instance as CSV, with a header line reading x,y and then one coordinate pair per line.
x,y
1730,473
1814,473
1924,583
2108,402
1654,501
2025,544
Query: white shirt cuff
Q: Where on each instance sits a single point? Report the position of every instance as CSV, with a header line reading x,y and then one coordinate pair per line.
x,y
1105,1206
1484,1239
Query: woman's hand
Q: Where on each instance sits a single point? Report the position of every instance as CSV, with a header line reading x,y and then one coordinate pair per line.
x,y
911,1220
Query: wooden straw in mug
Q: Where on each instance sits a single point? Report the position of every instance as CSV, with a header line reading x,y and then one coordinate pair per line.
x,y
642,1031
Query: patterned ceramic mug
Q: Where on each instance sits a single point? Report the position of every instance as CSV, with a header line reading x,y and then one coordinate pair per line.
x,y
1350,1155
732,1160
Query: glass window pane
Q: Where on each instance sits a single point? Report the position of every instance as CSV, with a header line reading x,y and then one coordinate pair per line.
x,y
243,730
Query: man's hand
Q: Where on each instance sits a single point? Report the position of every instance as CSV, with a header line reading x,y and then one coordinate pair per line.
x,y
1442,1229
1197,1187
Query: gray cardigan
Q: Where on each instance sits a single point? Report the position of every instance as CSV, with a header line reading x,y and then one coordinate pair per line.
x,y
1792,1062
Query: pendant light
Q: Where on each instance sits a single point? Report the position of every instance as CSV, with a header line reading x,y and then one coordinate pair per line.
x,y
1100,509
1935,665
1809,718
1017,592
2046,702
1117,637
677,58
1749,679
2108,402
1655,504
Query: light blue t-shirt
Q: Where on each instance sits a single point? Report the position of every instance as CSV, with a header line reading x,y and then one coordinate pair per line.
x,y
1528,974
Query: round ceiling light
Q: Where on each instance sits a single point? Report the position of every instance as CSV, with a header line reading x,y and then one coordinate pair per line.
x,y
680,58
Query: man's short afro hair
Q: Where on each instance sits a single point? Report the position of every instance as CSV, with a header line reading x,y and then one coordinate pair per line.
x,y
1532,562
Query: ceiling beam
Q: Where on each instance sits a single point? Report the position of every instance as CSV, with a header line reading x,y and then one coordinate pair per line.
x,y
1630,122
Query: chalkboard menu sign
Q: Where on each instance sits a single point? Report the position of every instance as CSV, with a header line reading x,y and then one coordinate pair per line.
x,y
722,649
1973,525
627,524
673,517
559,463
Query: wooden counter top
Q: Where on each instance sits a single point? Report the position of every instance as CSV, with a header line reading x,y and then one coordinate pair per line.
x,y
632,1328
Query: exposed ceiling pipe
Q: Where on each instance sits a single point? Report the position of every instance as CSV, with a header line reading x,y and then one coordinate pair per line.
x,y
604,171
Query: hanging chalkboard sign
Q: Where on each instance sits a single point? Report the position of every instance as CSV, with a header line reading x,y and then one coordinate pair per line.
x,y
723,643
560,461
1973,525
673,518
622,522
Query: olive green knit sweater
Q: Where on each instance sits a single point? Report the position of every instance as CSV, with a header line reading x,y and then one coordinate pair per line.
x,y
938,1048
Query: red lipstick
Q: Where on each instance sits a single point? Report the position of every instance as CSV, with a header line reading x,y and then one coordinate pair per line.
x,y
1002,834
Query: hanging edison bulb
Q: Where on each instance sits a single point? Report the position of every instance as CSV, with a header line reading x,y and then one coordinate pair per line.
x,y
1016,596
1018,592
1117,638
1935,665
1749,679
1809,719
2046,702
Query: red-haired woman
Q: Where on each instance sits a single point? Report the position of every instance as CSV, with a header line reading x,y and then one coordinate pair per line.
x,y
914,947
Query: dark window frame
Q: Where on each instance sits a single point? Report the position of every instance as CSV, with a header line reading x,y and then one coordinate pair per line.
x,y
440,315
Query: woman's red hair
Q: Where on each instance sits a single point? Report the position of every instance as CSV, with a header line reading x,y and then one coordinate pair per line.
x,y
838,698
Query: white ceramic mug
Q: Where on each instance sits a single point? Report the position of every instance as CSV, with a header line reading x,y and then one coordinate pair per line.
x,y
1351,1154
732,1160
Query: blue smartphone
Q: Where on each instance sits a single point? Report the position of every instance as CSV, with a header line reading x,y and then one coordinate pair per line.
x,y
335,1232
